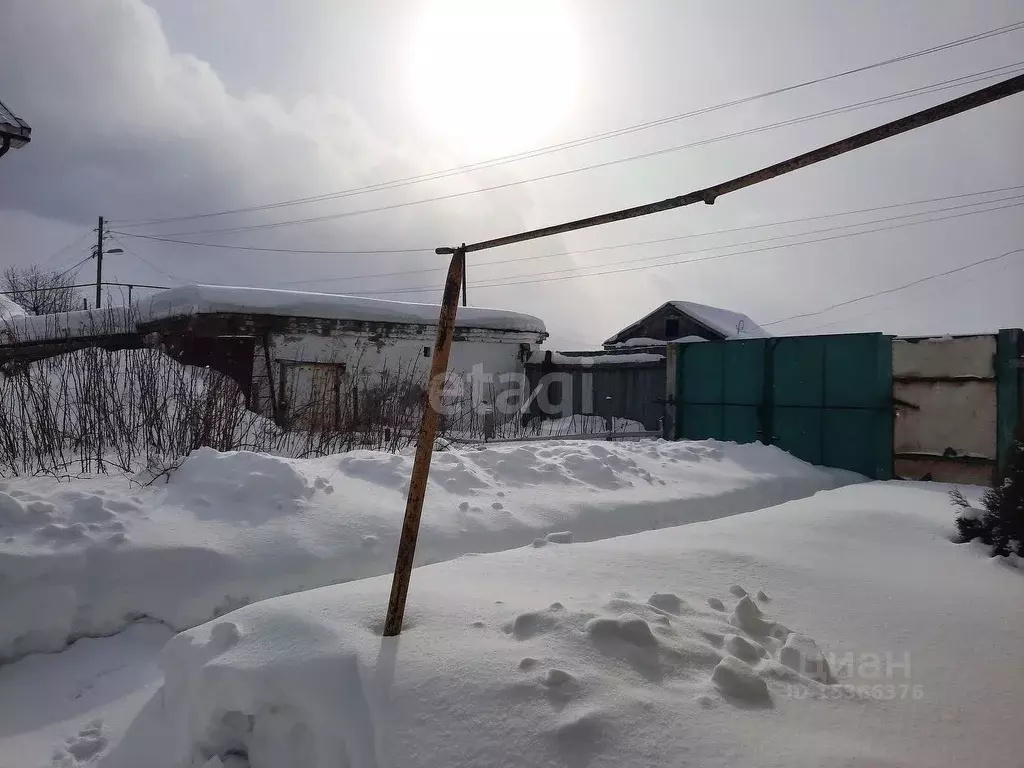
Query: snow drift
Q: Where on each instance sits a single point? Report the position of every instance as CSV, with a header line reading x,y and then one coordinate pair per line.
x,y
233,528
797,636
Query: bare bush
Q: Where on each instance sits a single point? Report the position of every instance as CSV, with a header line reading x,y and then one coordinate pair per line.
x,y
139,410
39,292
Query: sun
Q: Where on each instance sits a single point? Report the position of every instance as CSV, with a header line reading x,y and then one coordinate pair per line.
x,y
496,75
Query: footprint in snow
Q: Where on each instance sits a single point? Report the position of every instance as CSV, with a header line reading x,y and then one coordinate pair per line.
x,y
81,749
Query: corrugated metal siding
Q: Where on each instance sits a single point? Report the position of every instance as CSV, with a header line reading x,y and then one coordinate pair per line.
x,y
630,391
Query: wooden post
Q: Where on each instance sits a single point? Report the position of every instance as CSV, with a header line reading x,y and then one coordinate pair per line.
x,y
425,446
465,278
272,392
99,262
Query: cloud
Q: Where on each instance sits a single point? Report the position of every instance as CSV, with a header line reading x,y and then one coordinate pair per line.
x,y
124,125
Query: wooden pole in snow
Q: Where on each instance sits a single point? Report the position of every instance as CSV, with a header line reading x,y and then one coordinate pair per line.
x,y
425,446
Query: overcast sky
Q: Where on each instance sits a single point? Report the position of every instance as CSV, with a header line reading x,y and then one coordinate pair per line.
x,y
169,108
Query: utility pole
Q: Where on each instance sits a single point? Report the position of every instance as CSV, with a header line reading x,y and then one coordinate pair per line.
x,y
464,288
99,261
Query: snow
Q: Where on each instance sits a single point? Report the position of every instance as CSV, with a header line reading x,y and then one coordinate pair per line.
x,y
193,299
558,358
585,424
607,653
688,340
732,325
206,299
10,309
233,528
62,709
641,341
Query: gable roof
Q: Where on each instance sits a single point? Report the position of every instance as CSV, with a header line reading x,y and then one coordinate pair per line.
x,y
718,321
12,128
726,322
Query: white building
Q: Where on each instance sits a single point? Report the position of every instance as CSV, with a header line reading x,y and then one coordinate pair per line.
x,y
288,348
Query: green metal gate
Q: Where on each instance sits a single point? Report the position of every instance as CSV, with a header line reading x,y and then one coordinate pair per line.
x,y
825,399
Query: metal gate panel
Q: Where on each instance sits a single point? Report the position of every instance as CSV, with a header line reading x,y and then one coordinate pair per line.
x,y
798,372
703,422
700,377
741,423
798,431
744,371
858,371
702,366
859,440
825,399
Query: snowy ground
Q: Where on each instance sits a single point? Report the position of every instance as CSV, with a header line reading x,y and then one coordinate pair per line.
x,y
49,703
615,653
232,528
691,645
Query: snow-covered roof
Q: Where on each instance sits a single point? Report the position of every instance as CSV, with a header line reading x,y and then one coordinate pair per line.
x,y
206,299
724,322
728,323
198,299
643,342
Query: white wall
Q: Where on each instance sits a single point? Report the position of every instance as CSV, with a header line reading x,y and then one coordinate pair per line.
x,y
490,353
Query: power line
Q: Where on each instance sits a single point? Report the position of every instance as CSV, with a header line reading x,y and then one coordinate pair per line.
x,y
637,243
876,310
493,262
503,284
639,264
132,253
229,246
911,284
788,236
73,267
58,252
587,139
922,90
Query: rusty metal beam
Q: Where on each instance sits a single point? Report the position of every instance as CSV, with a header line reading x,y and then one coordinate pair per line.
x,y
708,195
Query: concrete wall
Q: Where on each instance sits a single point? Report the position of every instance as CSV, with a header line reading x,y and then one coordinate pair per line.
x,y
945,393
